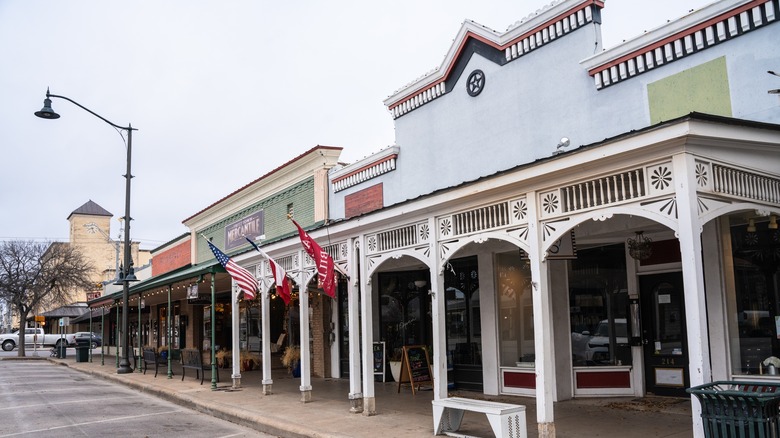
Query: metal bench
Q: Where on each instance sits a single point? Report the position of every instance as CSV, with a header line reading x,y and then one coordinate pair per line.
x,y
506,420
151,358
191,358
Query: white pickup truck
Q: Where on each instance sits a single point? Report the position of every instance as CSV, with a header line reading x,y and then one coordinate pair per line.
x,y
9,341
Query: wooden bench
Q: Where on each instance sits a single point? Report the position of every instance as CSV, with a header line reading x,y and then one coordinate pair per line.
x,y
191,358
506,420
151,358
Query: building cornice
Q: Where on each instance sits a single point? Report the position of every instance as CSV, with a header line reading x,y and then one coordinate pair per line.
x,y
693,33
294,171
368,168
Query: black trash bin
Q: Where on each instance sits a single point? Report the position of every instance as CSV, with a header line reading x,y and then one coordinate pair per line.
x,y
82,350
733,409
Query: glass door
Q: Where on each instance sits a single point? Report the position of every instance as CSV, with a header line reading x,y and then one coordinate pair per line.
x,y
664,334
343,324
464,334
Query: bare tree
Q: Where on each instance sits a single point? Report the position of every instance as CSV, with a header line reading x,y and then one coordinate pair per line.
x,y
35,274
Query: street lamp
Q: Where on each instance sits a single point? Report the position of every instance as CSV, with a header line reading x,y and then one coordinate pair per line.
x,y
126,274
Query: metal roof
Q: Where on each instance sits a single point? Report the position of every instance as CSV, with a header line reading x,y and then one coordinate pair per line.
x,y
90,208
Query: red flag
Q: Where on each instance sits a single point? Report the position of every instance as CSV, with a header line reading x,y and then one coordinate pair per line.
x,y
325,274
280,275
282,283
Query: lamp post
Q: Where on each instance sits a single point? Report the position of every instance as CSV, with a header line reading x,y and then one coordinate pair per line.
x,y
126,274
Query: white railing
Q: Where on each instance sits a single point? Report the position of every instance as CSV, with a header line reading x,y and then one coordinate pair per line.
x,y
397,238
602,191
480,219
745,184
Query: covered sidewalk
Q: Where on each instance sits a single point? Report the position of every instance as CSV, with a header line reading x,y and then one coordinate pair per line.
x,y
398,414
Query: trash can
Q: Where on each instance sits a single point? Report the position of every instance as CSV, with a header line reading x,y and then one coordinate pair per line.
x,y
82,350
59,351
731,409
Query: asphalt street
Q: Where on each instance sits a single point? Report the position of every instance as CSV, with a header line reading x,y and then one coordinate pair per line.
x,y
38,398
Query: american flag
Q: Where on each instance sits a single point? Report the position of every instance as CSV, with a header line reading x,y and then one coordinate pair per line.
x,y
246,281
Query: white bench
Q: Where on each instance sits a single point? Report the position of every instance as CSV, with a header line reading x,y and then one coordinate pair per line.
x,y
507,421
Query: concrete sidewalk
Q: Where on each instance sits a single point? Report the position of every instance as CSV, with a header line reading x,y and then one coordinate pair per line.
x,y
398,414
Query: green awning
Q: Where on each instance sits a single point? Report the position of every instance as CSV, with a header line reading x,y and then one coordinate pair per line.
x,y
162,280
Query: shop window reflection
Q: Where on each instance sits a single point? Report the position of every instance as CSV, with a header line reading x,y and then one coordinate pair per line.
x,y
516,324
598,305
755,306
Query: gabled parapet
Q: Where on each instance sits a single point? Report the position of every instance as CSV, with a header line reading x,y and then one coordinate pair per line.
x,y
557,20
700,30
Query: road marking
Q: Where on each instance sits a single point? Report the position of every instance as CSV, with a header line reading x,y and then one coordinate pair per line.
x,y
129,417
87,400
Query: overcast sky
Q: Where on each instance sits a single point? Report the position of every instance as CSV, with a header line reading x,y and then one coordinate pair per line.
x,y
221,93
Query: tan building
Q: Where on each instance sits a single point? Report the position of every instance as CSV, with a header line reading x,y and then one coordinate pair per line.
x,y
90,231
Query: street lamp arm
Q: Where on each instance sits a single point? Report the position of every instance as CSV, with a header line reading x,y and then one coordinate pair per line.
x,y
126,128
126,275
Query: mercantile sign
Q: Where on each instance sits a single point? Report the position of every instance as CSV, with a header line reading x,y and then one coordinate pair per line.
x,y
251,227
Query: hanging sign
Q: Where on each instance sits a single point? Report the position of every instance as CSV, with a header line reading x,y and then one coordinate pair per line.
x,y
563,248
192,292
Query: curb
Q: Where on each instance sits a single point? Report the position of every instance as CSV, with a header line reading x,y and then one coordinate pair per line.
x,y
247,419
24,358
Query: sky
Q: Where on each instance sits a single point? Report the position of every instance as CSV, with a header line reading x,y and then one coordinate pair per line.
x,y
221,92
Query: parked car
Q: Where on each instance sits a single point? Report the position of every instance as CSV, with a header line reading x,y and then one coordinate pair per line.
x,y
598,350
96,340
36,336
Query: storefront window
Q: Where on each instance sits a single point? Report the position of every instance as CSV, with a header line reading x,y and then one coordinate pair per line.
x,y
405,317
250,328
756,249
516,324
598,305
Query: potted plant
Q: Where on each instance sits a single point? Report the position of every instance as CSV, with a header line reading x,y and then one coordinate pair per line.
x,y
291,359
223,358
772,365
395,363
249,361
162,351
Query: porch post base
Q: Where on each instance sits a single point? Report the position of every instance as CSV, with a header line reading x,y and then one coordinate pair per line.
x,y
267,388
546,430
305,395
369,406
236,382
356,403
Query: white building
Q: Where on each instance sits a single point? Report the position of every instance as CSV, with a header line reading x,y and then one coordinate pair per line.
x,y
559,224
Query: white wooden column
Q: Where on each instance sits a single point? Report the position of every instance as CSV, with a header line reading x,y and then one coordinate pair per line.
x,y
265,320
367,330
438,312
353,315
689,235
234,316
303,314
543,333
